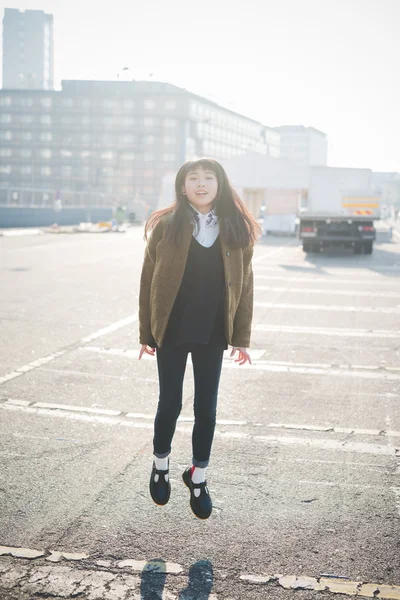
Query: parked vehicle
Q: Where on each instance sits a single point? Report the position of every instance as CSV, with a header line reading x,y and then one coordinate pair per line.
x,y
280,211
279,224
340,210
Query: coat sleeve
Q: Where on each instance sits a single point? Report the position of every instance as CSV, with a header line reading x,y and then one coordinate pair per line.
x,y
145,335
244,313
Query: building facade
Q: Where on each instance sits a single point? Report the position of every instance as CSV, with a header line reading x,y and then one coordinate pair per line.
x,y
28,50
303,145
99,143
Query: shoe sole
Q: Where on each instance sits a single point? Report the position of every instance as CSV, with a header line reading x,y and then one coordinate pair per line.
x,y
195,514
157,503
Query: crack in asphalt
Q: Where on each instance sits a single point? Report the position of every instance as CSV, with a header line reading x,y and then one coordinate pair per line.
x,y
80,581
89,507
69,453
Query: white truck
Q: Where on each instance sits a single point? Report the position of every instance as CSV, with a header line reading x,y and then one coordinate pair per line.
x,y
339,210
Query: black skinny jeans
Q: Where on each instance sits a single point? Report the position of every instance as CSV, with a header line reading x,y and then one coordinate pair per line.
x,y
171,362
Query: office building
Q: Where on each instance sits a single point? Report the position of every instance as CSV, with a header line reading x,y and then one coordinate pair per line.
x,y
303,145
104,142
27,50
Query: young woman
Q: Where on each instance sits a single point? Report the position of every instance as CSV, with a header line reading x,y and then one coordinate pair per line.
x,y
196,295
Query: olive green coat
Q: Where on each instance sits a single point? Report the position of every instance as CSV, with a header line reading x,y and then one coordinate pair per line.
x,y
162,273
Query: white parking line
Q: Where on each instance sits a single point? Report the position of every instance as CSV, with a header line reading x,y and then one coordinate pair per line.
x,y
340,371
381,433
328,331
323,307
369,271
333,429
325,444
364,371
110,328
30,366
47,359
320,279
272,440
297,290
257,259
256,353
107,412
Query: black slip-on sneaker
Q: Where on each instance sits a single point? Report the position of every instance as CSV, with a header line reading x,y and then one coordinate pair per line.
x,y
160,490
200,505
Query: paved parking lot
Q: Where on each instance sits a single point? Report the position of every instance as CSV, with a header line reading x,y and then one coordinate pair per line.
x,y
305,472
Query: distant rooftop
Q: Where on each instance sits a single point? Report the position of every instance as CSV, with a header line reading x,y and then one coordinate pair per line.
x,y
78,86
158,86
299,128
27,10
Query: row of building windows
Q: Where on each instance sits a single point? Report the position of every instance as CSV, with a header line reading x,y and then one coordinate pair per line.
x,y
295,138
200,112
125,138
219,150
25,136
77,120
46,153
76,198
208,132
8,118
210,114
67,170
48,102
85,138
295,143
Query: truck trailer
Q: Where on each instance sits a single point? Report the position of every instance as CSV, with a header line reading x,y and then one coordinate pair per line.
x,y
339,210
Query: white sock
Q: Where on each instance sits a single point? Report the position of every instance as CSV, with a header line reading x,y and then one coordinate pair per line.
x,y
161,465
199,475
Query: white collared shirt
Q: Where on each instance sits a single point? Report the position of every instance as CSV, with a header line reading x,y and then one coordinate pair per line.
x,y
206,236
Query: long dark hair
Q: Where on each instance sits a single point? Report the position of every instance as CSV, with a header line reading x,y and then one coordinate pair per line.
x,y
238,228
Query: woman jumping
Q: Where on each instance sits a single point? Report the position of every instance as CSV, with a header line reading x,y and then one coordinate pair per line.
x,y
196,295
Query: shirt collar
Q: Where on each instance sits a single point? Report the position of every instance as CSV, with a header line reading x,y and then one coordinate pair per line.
x,y
198,212
210,218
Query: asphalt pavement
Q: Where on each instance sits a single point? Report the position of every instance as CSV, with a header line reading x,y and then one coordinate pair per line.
x,y
305,470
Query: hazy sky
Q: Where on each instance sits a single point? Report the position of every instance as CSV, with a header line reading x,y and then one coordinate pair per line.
x,y
332,64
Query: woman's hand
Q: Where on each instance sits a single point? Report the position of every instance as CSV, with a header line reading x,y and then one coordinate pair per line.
x,y
244,356
145,349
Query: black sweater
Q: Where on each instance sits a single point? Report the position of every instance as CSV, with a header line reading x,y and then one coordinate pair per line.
x,y
197,316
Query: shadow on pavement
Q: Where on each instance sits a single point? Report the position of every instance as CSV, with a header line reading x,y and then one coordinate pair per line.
x,y
381,261
338,257
153,580
200,582
199,585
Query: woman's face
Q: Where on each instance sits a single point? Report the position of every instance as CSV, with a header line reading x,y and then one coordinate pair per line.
x,y
201,188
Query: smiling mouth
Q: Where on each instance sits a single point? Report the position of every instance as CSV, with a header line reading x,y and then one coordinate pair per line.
x,y
201,193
